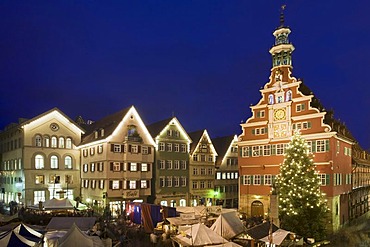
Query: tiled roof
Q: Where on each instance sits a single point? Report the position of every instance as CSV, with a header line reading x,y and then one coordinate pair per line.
x,y
329,119
108,123
221,145
156,128
195,136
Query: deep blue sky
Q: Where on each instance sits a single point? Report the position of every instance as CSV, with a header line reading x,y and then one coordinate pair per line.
x,y
204,60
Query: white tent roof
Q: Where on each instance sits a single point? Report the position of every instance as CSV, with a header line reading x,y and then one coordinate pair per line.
x,y
197,210
199,235
228,225
60,204
228,244
277,237
65,223
28,229
74,236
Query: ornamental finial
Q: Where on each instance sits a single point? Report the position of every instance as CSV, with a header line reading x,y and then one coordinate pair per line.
x,y
282,15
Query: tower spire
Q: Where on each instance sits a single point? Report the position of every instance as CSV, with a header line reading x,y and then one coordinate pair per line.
x,y
282,50
282,15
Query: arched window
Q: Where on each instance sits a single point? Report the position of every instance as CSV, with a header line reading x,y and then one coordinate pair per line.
x,y
288,96
271,99
39,162
61,142
69,143
54,142
68,162
46,141
54,162
38,141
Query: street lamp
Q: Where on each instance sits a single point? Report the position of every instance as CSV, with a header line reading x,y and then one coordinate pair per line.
x,y
215,194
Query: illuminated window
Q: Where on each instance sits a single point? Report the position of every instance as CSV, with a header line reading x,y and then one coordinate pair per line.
x,y
134,149
61,142
288,96
54,162
133,167
54,142
38,141
100,149
144,150
46,141
85,168
38,196
101,184
54,179
177,147
69,143
143,184
101,166
115,185
132,184
144,167
68,162
266,150
39,162
92,167
92,150
271,99
117,148
39,179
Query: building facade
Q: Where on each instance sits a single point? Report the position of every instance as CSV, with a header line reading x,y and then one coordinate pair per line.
x,y
227,171
287,105
117,154
40,159
202,169
171,173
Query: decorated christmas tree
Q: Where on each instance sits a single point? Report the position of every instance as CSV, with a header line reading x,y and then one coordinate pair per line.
x,y
302,207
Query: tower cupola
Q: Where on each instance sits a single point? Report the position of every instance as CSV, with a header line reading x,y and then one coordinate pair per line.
x,y
282,50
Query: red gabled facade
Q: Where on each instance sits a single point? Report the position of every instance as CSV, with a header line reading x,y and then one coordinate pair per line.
x,y
287,105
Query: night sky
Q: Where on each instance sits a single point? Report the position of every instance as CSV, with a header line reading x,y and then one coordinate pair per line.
x,y
202,60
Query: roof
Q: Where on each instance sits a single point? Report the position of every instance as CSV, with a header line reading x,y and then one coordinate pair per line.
x,y
261,230
228,225
65,223
156,128
108,124
23,121
329,119
195,136
199,235
222,145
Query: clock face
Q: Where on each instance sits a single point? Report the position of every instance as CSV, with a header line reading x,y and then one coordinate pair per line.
x,y
279,114
54,127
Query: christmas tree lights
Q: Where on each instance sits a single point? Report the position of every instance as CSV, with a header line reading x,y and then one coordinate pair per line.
x,y
302,206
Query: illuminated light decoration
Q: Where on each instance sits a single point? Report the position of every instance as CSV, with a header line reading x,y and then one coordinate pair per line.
x,y
176,122
205,134
235,140
51,115
299,191
132,112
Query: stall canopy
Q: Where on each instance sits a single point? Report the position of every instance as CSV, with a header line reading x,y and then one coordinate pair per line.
x,y
228,225
60,204
75,237
11,238
65,223
261,230
199,235
28,233
277,237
